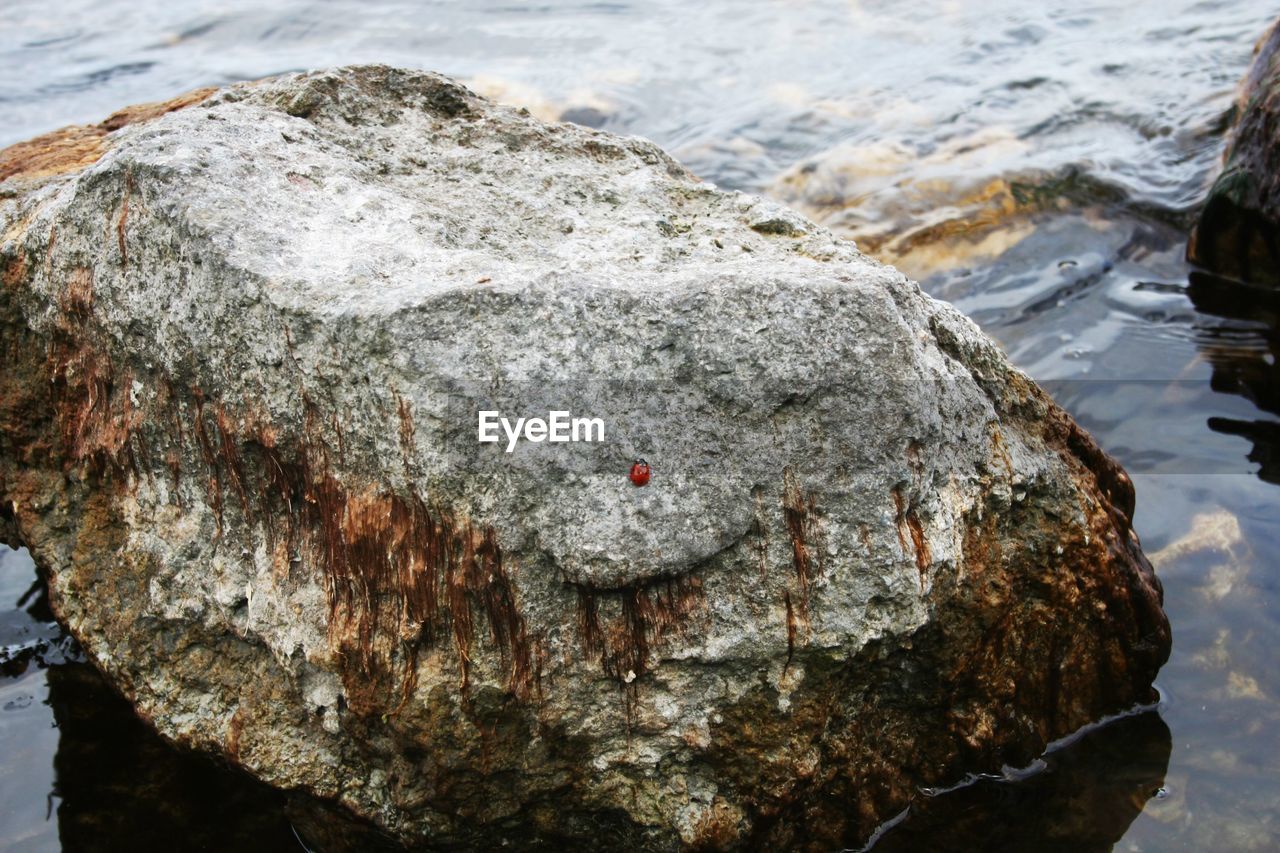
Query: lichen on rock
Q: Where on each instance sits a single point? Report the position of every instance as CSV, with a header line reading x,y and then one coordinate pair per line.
x,y
246,344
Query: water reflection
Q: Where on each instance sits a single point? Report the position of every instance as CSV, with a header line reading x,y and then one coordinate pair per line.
x,y
1244,354
121,787
83,772
1083,798
28,738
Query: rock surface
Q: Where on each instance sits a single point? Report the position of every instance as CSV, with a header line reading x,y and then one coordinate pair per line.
x,y
245,349
1238,234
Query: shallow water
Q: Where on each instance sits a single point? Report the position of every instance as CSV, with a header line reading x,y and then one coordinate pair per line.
x,y
1036,167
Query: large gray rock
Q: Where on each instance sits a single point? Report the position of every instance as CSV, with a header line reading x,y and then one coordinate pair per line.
x,y
246,346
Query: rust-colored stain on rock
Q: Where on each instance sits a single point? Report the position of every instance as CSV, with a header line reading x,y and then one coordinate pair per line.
x,y
911,535
79,146
799,511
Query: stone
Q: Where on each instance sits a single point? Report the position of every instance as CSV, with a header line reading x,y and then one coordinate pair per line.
x,y
1238,233
246,343
960,207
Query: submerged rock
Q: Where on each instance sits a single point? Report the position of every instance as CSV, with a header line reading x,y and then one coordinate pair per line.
x,y
1238,234
246,350
962,206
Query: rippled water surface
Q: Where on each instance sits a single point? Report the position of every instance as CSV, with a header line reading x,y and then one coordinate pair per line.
x,y
1036,166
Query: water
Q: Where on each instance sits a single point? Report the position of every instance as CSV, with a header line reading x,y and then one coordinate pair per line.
x,y
1037,167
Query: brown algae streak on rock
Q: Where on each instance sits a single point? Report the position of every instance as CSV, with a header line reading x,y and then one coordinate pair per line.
x,y
638,618
398,573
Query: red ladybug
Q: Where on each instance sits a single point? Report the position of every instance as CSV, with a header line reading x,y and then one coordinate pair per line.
x,y
640,472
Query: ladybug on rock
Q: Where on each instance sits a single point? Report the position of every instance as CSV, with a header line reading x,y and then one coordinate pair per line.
x,y
640,472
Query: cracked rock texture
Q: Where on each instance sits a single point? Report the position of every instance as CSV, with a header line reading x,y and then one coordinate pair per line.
x,y
246,336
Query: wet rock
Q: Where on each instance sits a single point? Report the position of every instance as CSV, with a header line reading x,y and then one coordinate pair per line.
x,y
246,350
1238,234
